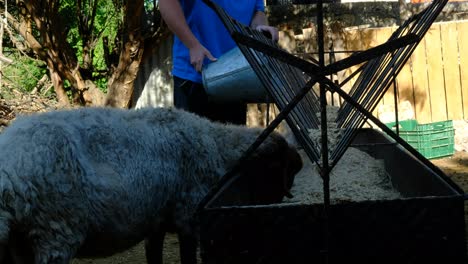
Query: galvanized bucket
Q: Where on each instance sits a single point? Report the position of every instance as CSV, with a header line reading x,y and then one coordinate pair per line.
x,y
232,79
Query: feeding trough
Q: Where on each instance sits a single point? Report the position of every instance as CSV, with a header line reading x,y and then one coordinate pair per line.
x,y
425,224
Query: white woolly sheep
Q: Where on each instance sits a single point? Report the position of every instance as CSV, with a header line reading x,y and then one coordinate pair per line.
x,y
92,182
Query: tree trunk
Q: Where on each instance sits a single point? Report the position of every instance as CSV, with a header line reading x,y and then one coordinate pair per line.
x,y
52,47
62,97
54,50
120,86
121,83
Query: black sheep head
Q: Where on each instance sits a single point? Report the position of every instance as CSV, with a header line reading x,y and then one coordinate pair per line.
x,y
271,169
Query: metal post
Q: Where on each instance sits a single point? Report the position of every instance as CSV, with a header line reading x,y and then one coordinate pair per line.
x,y
325,172
395,100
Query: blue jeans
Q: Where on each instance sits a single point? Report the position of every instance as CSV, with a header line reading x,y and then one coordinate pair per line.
x,y
192,97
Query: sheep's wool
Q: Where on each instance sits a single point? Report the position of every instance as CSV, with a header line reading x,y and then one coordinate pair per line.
x,y
78,179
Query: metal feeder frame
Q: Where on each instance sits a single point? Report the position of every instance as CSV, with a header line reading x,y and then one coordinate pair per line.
x,y
289,79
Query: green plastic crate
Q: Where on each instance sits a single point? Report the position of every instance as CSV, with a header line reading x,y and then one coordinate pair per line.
x,y
406,125
432,140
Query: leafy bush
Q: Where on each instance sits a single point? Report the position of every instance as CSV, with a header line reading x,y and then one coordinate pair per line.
x,y
23,74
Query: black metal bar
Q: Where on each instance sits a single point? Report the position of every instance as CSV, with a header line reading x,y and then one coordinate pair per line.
x,y
383,63
395,101
340,65
325,170
267,131
372,53
399,140
419,28
279,74
357,119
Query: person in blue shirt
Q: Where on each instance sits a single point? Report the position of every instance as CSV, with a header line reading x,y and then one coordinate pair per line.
x,y
200,38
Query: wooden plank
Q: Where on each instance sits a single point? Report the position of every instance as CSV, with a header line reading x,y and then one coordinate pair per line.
x,y
435,72
374,37
309,39
451,70
462,29
422,100
339,46
388,101
406,92
351,43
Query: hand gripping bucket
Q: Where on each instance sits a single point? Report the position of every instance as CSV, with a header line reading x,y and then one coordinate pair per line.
x,y
232,79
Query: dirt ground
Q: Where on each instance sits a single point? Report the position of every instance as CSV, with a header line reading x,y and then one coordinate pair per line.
x,y
456,167
136,255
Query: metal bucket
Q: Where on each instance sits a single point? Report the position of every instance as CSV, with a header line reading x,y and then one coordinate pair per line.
x,y
232,79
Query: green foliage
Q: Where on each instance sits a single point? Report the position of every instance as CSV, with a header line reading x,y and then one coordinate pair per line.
x,y
106,24
67,12
24,73
101,83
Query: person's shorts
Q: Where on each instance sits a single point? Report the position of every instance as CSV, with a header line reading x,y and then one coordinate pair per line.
x,y
191,96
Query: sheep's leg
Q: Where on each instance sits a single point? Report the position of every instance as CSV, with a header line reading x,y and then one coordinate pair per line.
x,y
154,248
18,250
19,254
188,248
52,257
52,261
3,253
49,250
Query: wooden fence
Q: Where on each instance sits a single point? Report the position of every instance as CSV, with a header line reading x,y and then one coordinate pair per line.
x,y
435,79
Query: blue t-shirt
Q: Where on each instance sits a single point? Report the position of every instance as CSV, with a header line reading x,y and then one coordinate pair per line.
x,y
210,31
